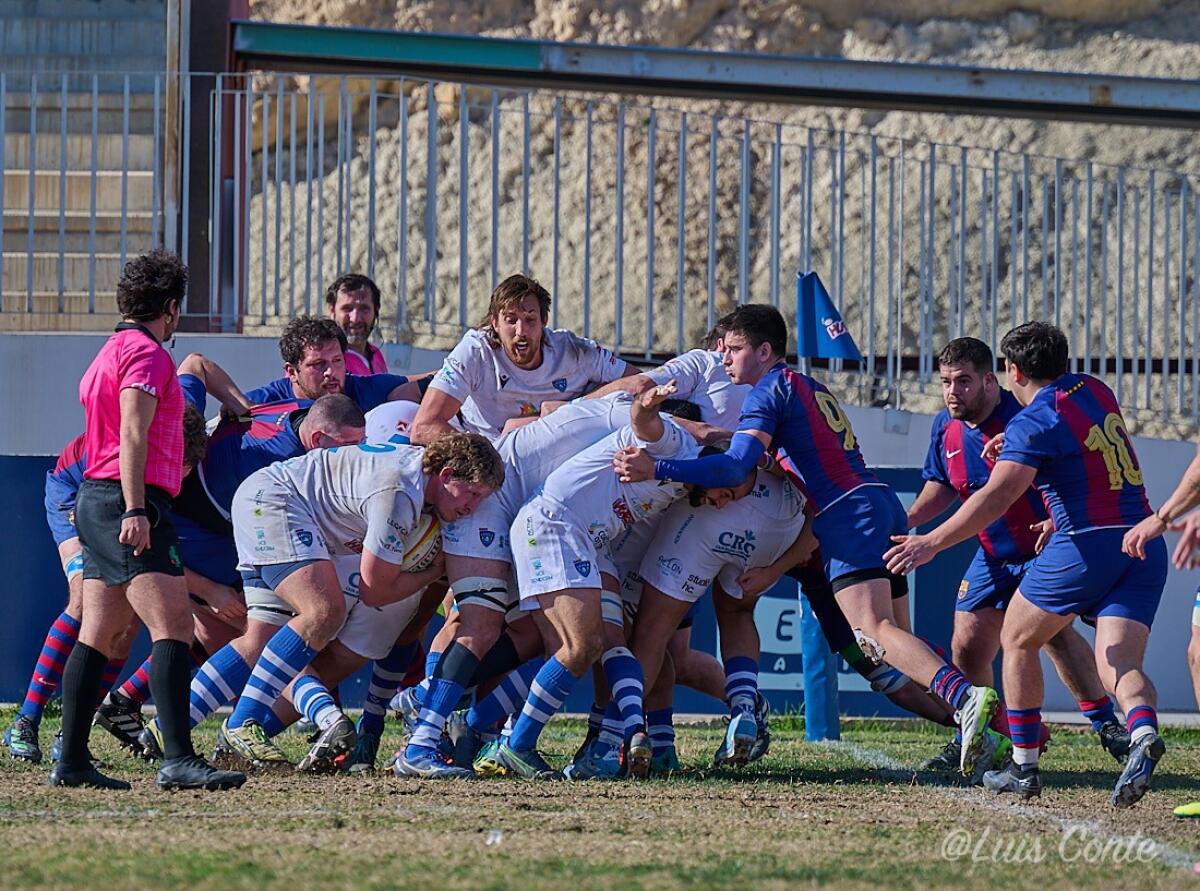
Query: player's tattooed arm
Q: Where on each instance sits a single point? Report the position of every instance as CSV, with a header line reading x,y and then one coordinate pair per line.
x,y
1185,497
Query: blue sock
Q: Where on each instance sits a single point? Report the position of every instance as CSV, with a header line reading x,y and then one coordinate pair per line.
x,y
741,682
551,686
612,727
217,683
431,663
454,671
624,675
661,729
273,725
313,700
284,657
508,696
385,680
595,717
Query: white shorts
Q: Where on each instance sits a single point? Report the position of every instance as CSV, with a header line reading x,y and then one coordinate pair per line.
x,y
627,554
695,546
371,631
482,534
553,552
264,605
271,525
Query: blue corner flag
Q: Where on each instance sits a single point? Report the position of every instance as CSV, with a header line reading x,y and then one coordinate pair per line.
x,y
820,331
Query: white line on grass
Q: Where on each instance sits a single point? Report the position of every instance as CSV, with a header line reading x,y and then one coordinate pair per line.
x,y
1168,854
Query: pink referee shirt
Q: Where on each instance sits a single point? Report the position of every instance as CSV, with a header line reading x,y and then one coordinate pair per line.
x,y
133,358
372,363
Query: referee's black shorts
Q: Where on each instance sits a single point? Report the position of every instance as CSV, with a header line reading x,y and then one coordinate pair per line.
x,y
98,509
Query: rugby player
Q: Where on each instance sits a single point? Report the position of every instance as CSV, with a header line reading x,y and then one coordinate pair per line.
x,y
855,512
1070,442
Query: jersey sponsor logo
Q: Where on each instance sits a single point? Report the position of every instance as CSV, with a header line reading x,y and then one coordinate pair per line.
x,y
963,586
598,534
540,573
393,543
683,528
353,581
450,533
583,567
355,544
503,381
950,455
486,537
304,536
624,514
559,384
671,566
528,410
734,544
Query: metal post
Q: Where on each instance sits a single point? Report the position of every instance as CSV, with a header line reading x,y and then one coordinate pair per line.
x,y
464,182
525,185
402,212
431,233
1120,350
262,257
681,234
62,189
1183,254
619,245
587,227
32,193
92,193
651,160
278,192
1058,218
321,201
1149,343
557,205
308,190
495,119
714,135
776,164
1087,277
372,123
744,218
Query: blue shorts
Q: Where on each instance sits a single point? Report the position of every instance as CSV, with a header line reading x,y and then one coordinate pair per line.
x,y
60,508
209,553
857,529
989,582
1088,574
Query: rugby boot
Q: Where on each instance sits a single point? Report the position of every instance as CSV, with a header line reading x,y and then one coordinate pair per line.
x,y
407,709
1190,810
528,765
193,772
364,754
1144,755
949,758
976,712
336,739
56,751
638,755
740,737
122,717
21,738
1115,740
485,763
664,763
992,755
600,762
251,744
82,777
762,717
150,739
427,763
1025,781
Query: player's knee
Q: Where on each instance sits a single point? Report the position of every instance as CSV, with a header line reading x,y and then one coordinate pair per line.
x,y
1193,653
323,621
581,653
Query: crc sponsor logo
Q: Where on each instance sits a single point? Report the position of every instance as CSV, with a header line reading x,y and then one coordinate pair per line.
x,y
583,567
598,534
486,537
352,584
671,566
736,544
624,514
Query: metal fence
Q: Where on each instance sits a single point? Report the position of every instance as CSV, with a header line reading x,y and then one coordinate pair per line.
x,y
646,222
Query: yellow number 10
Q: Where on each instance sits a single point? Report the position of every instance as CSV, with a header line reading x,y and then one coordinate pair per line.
x,y
836,418
1110,442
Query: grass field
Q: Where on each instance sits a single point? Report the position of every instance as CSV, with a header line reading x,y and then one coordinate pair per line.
x,y
852,814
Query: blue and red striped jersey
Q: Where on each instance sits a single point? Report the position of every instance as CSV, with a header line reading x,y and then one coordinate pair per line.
x,y
1087,472
70,464
805,420
955,459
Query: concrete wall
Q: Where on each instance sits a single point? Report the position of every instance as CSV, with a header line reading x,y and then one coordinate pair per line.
x,y
39,375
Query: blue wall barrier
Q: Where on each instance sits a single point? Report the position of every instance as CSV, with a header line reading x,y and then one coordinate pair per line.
x,y
37,591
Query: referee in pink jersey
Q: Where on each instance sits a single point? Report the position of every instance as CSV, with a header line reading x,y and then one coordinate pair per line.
x,y
133,437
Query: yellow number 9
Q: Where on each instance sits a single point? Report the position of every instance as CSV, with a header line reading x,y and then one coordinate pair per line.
x,y
836,418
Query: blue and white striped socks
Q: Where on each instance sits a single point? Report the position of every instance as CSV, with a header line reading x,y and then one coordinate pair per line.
x,y
217,683
385,679
624,675
506,699
551,686
285,656
313,700
741,682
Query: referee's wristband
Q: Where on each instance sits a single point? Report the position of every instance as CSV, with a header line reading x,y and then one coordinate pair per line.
x,y
135,512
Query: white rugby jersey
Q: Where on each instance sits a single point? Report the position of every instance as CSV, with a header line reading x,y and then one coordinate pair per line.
x,y
588,486
492,389
701,378
363,497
